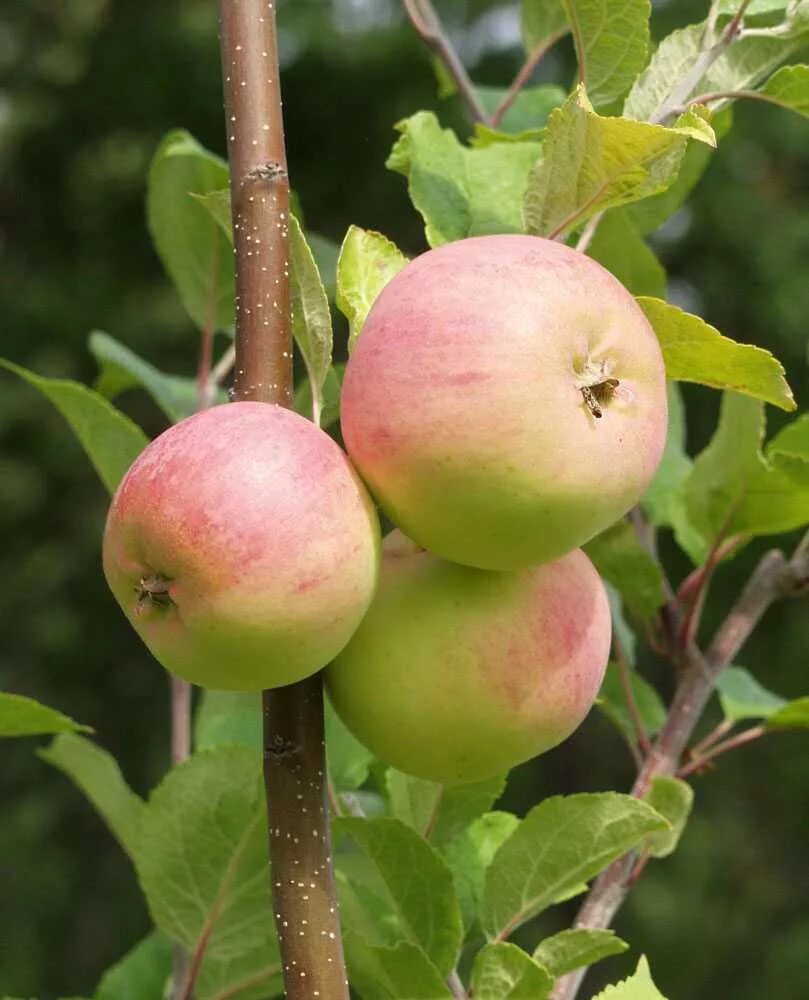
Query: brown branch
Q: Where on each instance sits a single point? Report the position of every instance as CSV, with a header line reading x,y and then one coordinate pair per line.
x,y
774,577
631,704
523,76
424,19
304,895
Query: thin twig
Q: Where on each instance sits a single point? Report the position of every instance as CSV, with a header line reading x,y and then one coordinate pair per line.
x,y
631,704
525,73
739,740
429,28
455,985
714,736
589,232
223,366
303,888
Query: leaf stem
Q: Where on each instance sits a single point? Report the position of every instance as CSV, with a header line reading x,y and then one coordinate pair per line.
x,y
429,28
456,987
626,683
739,740
304,894
523,76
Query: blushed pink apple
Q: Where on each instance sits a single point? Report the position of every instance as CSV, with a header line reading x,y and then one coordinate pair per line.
x,y
506,400
242,547
457,674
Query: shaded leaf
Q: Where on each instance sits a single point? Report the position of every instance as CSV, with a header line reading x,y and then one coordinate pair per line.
x,y
529,111
794,715
367,262
97,774
541,21
459,191
22,716
561,843
577,947
332,387
349,761
418,883
621,559
694,351
675,465
311,318
673,799
380,972
637,987
112,441
618,245
590,163
505,972
612,702
742,697
226,718
141,974
193,249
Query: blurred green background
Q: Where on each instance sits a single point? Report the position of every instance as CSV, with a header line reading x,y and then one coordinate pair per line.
x,y
87,89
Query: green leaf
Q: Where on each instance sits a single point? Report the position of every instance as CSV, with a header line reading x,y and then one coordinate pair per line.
x,y
21,716
203,867
748,61
661,496
696,352
470,853
541,22
311,318
618,245
417,881
112,441
671,61
735,489
792,440
505,972
367,262
436,811
636,987
621,559
122,369
141,974
623,631
379,972
612,702
332,388
575,948
194,250
742,697
789,88
97,774
590,163
673,799
529,111
561,843
794,715
226,718
612,42
459,191
349,761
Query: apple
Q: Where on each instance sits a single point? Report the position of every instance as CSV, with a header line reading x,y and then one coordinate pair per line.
x,y
505,401
242,547
458,674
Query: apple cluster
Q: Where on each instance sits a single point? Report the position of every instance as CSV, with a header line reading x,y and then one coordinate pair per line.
x,y
504,403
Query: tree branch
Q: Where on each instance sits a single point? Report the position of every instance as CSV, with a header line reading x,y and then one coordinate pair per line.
x,y
774,577
428,26
304,896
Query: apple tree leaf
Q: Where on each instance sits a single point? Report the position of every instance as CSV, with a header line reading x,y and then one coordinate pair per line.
x,y
638,986
619,247
590,163
470,853
694,351
192,247
502,971
439,812
390,972
622,561
96,773
367,262
789,88
611,701
22,716
459,191
417,882
611,42
561,843
576,948
675,465
742,697
349,761
142,974
227,718
203,865
530,110
673,799
311,318
794,715
112,441
542,21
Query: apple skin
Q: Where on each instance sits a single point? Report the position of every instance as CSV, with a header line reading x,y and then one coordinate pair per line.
x,y
458,674
265,536
463,406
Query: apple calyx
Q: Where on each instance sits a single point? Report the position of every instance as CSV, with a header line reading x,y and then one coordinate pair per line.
x,y
596,385
153,591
